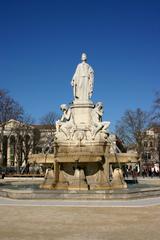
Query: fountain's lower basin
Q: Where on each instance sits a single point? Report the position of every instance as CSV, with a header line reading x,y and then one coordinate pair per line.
x,y
31,190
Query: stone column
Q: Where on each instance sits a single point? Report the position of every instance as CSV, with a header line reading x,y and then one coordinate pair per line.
x,y
60,181
8,153
106,163
106,167
56,171
1,147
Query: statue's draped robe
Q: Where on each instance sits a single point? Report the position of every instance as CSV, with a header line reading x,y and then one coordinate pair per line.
x,y
83,81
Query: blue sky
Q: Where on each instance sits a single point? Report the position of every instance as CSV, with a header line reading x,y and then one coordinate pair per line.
x,y
41,43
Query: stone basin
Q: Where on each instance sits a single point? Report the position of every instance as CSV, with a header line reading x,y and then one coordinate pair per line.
x,y
31,190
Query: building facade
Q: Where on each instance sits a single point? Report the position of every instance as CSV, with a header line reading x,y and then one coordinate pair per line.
x,y
151,147
19,140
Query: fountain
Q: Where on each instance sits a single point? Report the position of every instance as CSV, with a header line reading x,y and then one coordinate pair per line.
x,y
82,144
83,150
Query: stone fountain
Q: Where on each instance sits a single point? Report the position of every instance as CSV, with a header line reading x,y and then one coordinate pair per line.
x,y
82,145
83,152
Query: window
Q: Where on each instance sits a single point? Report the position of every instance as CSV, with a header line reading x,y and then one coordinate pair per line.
x,y
151,144
145,144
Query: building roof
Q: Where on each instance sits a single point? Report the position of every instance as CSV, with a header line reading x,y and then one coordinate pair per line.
x,y
155,128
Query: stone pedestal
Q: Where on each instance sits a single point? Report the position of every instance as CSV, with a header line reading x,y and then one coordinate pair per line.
x,y
82,114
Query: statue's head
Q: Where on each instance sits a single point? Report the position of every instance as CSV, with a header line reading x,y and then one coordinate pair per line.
x,y
84,57
63,107
99,105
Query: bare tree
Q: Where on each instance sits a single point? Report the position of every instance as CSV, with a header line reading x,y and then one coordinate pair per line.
x,y
156,109
27,138
131,128
9,109
49,119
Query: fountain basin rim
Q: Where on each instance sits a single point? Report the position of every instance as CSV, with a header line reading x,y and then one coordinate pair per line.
x,y
115,194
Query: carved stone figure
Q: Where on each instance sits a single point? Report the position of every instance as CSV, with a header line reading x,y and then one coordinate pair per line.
x,y
65,124
118,179
98,125
82,81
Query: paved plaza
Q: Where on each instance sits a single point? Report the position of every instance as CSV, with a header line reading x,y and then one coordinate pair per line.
x,y
45,220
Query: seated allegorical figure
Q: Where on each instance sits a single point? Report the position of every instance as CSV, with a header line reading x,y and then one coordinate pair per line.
x,y
65,124
98,125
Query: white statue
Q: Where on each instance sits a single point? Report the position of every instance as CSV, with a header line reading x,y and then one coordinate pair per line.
x,y
65,124
98,125
83,80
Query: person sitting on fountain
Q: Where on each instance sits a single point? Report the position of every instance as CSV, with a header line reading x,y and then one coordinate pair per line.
x,y
98,125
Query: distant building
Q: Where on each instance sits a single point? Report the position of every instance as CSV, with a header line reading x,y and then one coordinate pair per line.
x,y
19,140
151,146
